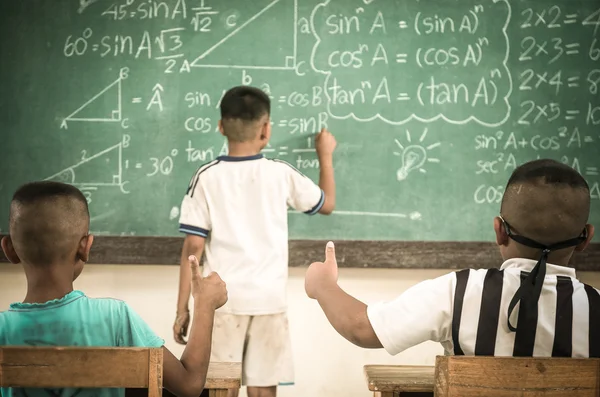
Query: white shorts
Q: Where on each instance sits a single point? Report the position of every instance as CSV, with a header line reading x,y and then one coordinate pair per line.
x,y
261,343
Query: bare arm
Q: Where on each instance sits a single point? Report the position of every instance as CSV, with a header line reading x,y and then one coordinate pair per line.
x,y
327,184
421,313
186,378
348,316
325,145
192,245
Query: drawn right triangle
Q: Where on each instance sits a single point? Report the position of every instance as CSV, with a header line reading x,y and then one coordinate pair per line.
x,y
104,106
100,169
239,47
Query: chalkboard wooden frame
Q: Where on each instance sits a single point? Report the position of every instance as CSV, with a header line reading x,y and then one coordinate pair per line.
x,y
119,250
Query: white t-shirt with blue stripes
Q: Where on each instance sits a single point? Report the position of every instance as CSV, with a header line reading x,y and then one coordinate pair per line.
x,y
240,205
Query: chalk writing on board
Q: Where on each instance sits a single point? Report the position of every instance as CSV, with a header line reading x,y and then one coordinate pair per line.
x,y
156,100
163,165
218,28
94,109
415,216
484,90
286,58
174,214
429,87
146,10
557,121
103,169
164,45
507,145
103,215
83,4
414,155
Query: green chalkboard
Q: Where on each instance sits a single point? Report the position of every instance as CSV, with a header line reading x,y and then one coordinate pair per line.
x,y
434,103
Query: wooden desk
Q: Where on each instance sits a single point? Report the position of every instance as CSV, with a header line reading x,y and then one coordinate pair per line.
x,y
222,377
400,380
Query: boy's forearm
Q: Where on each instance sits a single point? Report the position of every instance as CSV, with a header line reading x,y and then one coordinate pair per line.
x,y
348,316
196,356
340,309
327,182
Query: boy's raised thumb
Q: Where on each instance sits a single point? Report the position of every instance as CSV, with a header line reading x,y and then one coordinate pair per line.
x,y
194,264
330,252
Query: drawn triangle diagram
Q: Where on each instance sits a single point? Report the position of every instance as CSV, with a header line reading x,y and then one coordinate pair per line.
x,y
243,45
105,106
101,169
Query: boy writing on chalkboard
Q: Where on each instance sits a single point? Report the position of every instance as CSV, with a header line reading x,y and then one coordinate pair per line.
x,y
235,211
49,235
532,306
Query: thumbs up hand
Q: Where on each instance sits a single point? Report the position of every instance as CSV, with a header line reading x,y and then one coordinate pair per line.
x,y
207,290
321,275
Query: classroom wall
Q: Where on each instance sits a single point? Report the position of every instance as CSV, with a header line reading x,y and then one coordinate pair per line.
x,y
326,365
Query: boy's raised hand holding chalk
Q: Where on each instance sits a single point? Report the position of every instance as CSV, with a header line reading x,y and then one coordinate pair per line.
x,y
325,144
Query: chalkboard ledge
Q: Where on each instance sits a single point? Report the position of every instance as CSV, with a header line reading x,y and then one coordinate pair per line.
x,y
350,254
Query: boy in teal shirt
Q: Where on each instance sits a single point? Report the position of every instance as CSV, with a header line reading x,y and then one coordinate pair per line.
x,y
49,223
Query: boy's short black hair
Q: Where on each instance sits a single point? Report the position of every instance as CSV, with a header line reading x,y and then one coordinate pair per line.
x,y
34,192
245,103
241,108
549,172
47,221
546,201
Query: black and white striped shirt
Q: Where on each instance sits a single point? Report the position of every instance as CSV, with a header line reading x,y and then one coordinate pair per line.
x,y
466,311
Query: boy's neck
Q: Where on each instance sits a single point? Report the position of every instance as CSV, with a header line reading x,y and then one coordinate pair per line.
x,y
243,149
558,260
43,296
47,285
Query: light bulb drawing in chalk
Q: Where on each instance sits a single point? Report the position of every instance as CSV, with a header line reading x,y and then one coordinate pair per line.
x,y
414,156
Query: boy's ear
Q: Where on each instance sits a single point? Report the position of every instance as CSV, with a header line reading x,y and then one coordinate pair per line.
x,y
265,133
220,124
501,235
85,245
590,236
9,250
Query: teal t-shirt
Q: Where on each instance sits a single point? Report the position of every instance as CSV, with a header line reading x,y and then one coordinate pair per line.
x,y
74,320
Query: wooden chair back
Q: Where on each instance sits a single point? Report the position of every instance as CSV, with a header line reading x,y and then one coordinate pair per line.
x,y
461,376
77,367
